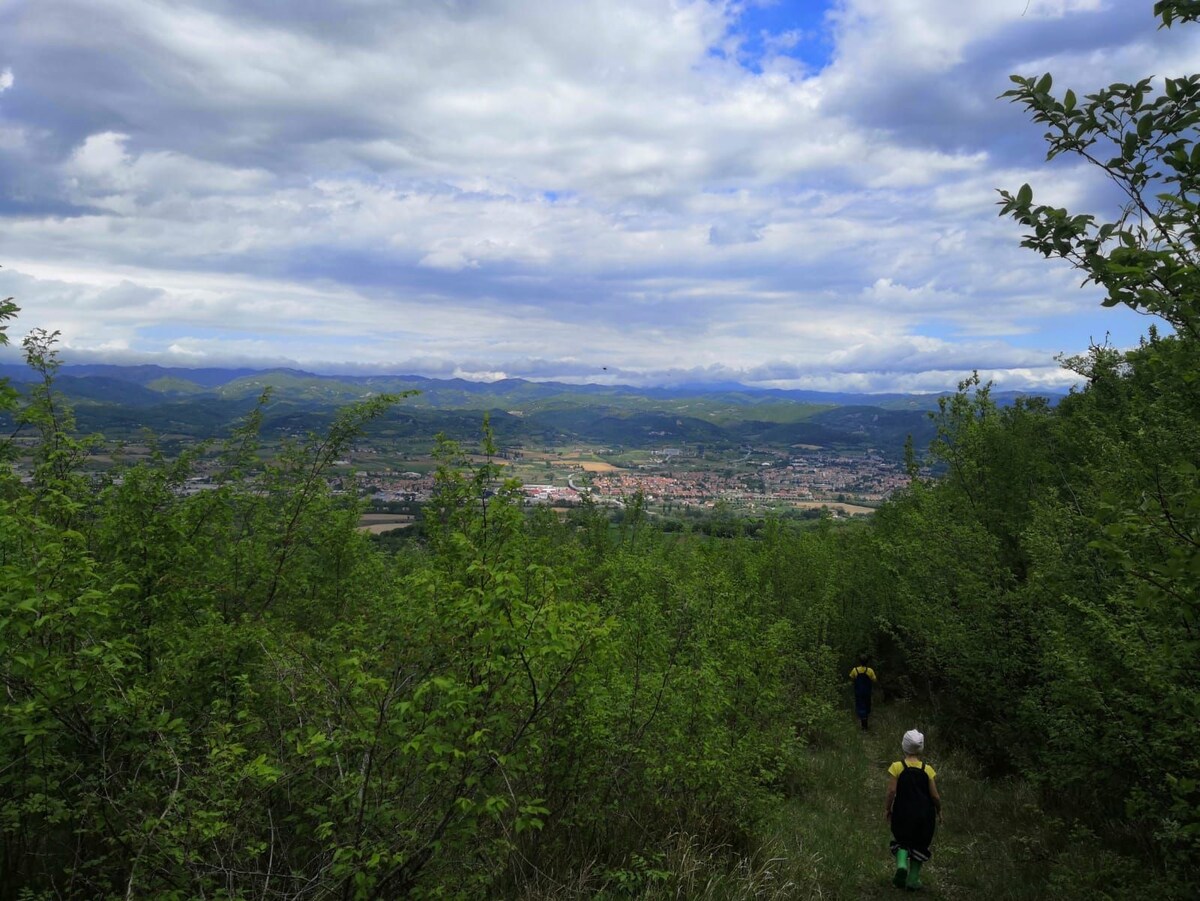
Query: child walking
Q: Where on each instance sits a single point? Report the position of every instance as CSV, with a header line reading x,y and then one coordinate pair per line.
x,y
913,808
862,677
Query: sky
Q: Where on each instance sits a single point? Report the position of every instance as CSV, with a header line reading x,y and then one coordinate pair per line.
x,y
792,194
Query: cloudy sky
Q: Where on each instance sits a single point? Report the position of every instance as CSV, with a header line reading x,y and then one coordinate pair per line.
x,y
794,194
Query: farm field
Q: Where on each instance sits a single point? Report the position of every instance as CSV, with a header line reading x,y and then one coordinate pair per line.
x,y
590,466
850,509
381,528
378,523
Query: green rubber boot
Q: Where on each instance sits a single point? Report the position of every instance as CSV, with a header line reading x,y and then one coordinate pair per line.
x,y
914,875
899,880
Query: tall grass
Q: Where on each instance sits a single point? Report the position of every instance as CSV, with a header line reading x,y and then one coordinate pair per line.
x,y
829,839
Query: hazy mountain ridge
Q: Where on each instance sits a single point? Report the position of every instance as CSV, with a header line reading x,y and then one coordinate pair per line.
x,y
203,403
173,379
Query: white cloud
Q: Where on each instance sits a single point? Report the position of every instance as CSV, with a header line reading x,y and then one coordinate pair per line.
x,y
560,188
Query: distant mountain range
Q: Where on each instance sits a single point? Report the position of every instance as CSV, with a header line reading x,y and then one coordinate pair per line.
x,y
119,401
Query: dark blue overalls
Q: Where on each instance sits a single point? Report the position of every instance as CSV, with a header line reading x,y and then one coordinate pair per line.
x,y
862,694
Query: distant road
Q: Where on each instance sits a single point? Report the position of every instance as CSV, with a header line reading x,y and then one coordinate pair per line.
x,y
588,491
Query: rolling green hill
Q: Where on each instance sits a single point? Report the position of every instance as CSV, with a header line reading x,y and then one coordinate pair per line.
x,y
122,401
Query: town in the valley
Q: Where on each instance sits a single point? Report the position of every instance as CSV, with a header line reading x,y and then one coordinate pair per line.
x,y
750,480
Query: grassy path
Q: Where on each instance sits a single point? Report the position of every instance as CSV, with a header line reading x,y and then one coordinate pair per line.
x,y
830,841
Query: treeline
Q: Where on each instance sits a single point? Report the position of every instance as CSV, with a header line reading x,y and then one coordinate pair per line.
x,y
722,521
1045,590
1043,596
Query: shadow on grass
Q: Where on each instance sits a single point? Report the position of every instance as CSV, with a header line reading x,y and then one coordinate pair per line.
x,y
996,841
829,838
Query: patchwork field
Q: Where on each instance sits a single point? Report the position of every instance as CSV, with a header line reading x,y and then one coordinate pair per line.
x,y
591,466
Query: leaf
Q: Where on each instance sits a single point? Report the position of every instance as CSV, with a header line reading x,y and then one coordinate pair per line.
x,y
1043,86
1025,195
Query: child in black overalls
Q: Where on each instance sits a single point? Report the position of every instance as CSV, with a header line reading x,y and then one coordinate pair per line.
x,y
913,808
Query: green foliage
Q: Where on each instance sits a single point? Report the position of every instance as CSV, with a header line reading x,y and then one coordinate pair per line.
x,y
1145,142
1126,565
1044,590
231,693
8,395
1172,11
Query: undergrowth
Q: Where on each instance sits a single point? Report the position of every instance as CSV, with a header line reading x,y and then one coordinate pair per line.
x,y
829,839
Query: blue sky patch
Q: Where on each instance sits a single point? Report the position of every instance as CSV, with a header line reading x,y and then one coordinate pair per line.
x,y
792,28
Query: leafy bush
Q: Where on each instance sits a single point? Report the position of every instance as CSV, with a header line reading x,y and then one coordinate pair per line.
x,y
231,693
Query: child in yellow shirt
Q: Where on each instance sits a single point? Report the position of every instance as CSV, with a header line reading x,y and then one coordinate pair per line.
x,y
863,679
913,808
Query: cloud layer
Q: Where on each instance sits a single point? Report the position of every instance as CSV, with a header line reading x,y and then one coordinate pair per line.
x,y
616,190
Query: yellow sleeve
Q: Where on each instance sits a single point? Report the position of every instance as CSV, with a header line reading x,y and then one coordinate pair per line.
x,y
896,769
871,673
853,672
930,771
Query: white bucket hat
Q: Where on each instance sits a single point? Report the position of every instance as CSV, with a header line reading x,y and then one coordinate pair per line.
x,y
913,742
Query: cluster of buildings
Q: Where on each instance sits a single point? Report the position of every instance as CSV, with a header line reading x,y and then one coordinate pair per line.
x,y
685,486
814,476
394,485
810,477
549,494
